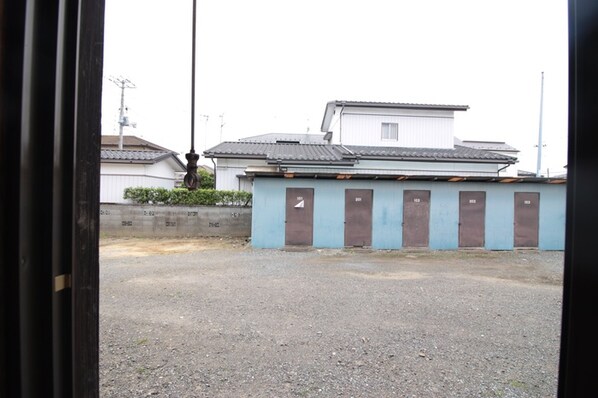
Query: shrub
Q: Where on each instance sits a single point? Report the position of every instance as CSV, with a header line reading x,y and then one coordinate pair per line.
x,y
182,196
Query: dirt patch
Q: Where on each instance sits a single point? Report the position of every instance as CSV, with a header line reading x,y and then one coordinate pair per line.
x,y
142,247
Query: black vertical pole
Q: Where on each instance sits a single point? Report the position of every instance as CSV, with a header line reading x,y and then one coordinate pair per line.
x,y
86,199
12,31
579,337
191,178
35,193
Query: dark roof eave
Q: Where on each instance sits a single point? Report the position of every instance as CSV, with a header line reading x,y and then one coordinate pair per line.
x,y
137,161
397,105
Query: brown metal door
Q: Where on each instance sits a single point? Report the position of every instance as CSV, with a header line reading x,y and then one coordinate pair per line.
x,y
299,223
358,217
416,218
527,213
472,217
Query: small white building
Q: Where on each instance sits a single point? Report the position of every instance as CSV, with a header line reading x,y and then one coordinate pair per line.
x,y
139,164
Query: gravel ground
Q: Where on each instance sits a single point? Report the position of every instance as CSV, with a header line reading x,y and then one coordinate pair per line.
x,y
216,318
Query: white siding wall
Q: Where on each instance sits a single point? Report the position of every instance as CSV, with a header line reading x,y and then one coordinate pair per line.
x,y
227,171
113,187
432,168
115,177
409,168
417,128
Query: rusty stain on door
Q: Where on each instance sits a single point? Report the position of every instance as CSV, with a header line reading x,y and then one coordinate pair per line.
x,y
358,217
472,218
527,217
299,216
416,218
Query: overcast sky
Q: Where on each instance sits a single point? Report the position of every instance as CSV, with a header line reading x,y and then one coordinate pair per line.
x,y
272,65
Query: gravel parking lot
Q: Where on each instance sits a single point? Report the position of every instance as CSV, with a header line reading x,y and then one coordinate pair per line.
x,y
216,318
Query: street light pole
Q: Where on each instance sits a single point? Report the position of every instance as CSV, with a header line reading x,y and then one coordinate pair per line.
x,y
191,179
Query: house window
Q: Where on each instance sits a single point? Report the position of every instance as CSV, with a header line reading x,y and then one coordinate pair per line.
x,y
390,131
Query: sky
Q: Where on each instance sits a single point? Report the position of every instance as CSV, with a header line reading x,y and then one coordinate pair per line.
x,y
270,66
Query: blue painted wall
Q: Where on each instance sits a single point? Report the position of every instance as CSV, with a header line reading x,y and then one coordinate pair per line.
x,y
269,195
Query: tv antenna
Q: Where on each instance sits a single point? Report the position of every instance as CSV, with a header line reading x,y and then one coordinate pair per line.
x,y
205,134
123,120
221,125
540,145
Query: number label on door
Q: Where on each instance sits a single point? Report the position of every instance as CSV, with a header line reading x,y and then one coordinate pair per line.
x,y
472,201
299,197
417,200
527,202
358,199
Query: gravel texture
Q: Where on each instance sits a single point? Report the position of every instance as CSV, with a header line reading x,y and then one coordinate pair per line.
x,y
216,318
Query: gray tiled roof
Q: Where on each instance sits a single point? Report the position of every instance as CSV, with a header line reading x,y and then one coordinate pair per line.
x,y
114,154
279,151
143,157
458,153
338,153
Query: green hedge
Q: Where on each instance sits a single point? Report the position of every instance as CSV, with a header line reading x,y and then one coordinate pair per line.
x,y
182,196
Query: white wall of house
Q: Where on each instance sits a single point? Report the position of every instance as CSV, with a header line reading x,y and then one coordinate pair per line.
x,y
416,128
228,170
115,177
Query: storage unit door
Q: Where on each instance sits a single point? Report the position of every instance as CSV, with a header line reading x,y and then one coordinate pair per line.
x,y
416,218
358,217
299,223
472,217
527,216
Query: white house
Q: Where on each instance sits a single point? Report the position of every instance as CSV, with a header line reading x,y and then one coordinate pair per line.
x,y
375,138
139,164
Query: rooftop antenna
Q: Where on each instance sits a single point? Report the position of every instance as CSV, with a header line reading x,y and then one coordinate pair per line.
x,y
205,133
221,125
191,179
122,119
538,167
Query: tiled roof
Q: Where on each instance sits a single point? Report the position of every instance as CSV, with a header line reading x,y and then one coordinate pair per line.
x,y
337,153
142,157
115,154
278,151
458,153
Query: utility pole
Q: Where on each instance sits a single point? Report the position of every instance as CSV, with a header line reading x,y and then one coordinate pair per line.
x,y
122,83
538,167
